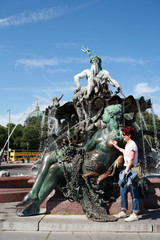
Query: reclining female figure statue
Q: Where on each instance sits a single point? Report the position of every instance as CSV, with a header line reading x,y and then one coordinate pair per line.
x,y
51,174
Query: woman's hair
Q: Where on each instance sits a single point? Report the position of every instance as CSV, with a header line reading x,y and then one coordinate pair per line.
x,y
129,130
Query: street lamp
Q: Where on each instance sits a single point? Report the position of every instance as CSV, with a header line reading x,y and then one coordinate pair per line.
x,y
9,111
27,151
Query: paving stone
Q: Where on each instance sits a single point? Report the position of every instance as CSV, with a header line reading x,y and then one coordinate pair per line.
x,y
24,235
22,224
74,223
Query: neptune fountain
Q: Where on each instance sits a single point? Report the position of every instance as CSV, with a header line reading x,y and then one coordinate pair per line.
x,y
80,159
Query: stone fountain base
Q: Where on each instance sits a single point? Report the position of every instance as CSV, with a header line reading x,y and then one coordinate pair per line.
x,y
13,189
58,204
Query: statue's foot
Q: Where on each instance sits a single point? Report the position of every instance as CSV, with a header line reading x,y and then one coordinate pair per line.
x,y
31,210
84,176
103,176
100,178
27,199
90,174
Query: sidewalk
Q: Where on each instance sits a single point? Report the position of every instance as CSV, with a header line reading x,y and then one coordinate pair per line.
x,y
9,221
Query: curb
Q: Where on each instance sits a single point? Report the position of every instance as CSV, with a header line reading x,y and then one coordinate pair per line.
x,y
77,223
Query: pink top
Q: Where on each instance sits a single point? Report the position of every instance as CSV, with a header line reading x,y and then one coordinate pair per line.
x,y
129,147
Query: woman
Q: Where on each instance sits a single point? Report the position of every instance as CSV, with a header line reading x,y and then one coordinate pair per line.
x,y
130,159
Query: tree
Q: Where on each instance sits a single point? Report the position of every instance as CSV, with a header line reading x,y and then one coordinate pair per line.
x,y
17,137
32,133
33,120
3,136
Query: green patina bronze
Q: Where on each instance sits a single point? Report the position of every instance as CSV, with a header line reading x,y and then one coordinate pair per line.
x,y
87,172
65,167
104,153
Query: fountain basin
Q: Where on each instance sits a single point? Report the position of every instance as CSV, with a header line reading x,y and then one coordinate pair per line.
x,y
13,189
59,205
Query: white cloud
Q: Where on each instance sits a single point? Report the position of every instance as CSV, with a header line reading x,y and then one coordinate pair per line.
x,y
39,15
58,70
144,89
19,118
43,90
35,16
125,60
66,45
35,63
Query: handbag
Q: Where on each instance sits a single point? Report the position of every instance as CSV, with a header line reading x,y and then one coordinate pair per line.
x,y
138,170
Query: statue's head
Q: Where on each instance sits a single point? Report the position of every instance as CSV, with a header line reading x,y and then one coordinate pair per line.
x,y
55,99
95,59
114,112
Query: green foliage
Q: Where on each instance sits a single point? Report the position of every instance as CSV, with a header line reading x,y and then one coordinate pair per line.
x,y
30,133
3,136
34,120
16,137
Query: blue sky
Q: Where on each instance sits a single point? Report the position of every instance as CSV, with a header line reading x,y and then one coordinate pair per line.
x,y
41,41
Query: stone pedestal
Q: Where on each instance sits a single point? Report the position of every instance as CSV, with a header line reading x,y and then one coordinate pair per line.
x,y
13,189
58,204
152,200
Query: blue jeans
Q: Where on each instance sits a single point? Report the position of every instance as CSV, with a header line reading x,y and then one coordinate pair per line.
x,y
135,198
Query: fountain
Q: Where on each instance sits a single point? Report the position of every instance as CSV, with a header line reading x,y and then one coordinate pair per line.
x,y
94,111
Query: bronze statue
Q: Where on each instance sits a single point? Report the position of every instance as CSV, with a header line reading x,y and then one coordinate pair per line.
x,y
51,174
96,76
104,153
48,178
56,101
83,172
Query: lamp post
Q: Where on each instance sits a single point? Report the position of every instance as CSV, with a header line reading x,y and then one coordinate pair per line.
x,y
27,151
9,111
